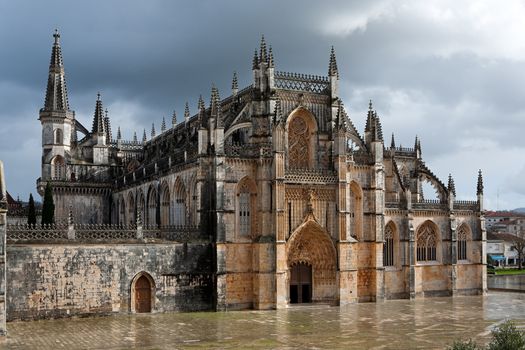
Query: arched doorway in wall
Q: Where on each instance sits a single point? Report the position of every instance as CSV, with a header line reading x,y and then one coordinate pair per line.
x,y
312,268
300,283
142,293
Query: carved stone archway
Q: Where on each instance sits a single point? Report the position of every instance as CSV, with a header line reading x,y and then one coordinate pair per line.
x,y
310,244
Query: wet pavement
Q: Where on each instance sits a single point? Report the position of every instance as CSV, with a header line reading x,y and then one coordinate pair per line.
x,y
509,282
429,323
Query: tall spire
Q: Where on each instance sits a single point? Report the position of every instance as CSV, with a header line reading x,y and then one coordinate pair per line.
x,y
107,126
98,118
153,130
56,92
119,135
392,142
174,119
163,125
135,140
270,58
480,183
451,185
263,54
144,138
332,66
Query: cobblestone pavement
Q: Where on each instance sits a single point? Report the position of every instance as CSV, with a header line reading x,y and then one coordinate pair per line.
x,y
401,324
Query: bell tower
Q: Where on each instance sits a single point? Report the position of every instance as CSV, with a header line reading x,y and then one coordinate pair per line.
x,y
57,120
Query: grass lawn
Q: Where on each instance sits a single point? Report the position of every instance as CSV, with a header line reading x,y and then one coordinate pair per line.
x,y
510,272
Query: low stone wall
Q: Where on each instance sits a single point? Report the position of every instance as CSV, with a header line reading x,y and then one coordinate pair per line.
x,y
60,280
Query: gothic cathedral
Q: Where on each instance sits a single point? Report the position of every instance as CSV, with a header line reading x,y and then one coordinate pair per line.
x,y
296,205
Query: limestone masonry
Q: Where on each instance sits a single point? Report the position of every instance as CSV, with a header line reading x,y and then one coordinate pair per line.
x,y
263,199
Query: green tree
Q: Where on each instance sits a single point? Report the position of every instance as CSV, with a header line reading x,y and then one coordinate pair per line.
x,y
31,211
519,247
507,337
48,207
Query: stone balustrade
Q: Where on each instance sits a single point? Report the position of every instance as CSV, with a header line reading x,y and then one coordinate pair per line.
x,y
100,233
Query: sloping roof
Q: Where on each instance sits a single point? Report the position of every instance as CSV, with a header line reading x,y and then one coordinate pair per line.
x,y
508,214
506,237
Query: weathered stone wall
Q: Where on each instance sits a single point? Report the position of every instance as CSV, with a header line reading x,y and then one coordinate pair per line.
x,y
57,280
92,207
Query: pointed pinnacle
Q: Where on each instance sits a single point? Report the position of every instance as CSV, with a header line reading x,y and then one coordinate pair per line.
x,y
186,112
332,66
200,104
451,185
174,119
370,105
119,135
263,54
152,130
135,137
235,84
392,142
163,125
144,138
270,58
480,183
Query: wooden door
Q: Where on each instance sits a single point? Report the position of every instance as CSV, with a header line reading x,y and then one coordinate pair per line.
x,y
301,284
142,295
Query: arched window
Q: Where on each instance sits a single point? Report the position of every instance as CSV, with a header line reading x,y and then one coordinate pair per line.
x,y
152,207
122,212
462,242
140,207
246,195
427,242
388,247
165,206
179,206
194,202
58,168
356,211
301,143
244,211
59,136
131,209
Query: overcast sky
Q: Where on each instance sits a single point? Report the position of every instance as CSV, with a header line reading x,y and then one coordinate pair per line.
x,y
451,72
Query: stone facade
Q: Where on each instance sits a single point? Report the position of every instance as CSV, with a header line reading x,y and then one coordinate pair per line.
x,y
295,204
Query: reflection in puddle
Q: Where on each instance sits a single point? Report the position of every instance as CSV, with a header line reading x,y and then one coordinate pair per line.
x,y
426,323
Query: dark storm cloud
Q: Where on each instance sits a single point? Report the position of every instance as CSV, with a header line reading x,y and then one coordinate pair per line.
x,y
435,69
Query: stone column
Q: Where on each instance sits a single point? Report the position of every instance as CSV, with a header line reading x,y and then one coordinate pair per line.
x,y
281,268
3,224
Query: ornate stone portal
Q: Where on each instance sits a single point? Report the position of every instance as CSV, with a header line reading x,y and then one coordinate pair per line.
x,y
310,244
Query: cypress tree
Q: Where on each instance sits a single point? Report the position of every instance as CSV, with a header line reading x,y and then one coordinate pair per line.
x,y
48,207
31,212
